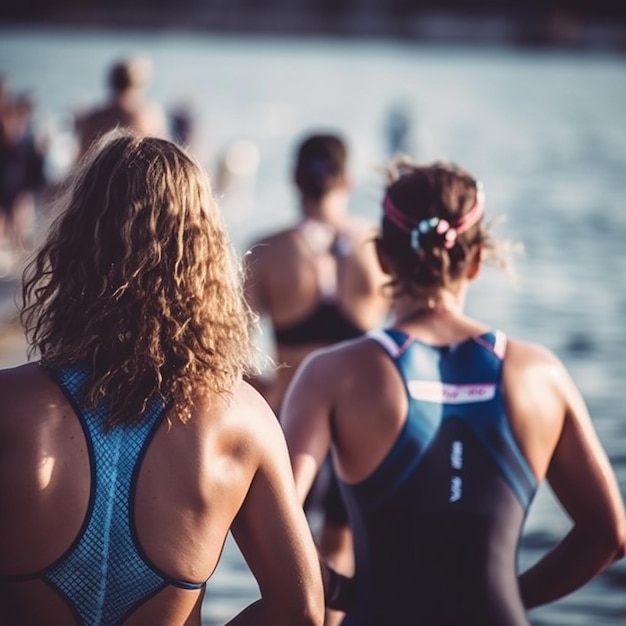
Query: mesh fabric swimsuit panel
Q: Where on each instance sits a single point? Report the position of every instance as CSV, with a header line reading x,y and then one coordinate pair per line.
x,y
105,575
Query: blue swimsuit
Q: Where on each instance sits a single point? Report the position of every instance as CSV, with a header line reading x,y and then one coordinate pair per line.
x,y
104,575
436,525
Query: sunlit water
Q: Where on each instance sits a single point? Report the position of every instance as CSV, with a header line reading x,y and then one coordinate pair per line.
x,y
544,131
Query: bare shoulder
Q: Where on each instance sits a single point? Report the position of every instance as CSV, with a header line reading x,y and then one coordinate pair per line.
x,y
528,359
540,395
276,237
359,228
536,378
28,396
273,244
249,405
15,380
343,361
250,416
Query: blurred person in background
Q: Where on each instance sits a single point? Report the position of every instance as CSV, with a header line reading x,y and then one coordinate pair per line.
x,y
318,280
183,125
441,429
318,283
132,447
22,176
127,106
399,129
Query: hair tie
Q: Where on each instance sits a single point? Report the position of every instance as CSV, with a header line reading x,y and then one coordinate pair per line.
x,y
440,226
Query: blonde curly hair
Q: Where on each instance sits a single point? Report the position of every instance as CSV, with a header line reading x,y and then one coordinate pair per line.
x,y
138,280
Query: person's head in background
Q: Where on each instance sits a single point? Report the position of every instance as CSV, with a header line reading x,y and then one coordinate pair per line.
x,y
131,74
137,278
321,170
433,233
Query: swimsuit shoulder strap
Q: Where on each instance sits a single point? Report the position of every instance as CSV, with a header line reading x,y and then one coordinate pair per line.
x,y
393,341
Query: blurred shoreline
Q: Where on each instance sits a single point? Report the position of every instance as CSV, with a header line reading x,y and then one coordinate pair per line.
x,y
552,28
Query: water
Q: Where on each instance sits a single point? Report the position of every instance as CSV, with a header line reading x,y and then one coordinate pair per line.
x,y
544,131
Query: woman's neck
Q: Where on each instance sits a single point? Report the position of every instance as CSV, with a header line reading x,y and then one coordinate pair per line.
x,y
331,208
410,307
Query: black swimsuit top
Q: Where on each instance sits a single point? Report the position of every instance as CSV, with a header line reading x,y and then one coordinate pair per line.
x,y
327,323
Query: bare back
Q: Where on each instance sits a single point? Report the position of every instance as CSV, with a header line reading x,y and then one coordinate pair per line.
x,y
288,279
191,487
144,118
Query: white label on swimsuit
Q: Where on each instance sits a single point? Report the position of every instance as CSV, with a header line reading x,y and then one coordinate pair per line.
x,y
456,455
456,462
456,488
433,391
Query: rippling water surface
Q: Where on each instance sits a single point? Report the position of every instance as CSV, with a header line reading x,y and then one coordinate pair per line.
x,y
544,131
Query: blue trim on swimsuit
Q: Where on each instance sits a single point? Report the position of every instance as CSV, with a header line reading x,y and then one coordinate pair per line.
x,y
94,573
487,419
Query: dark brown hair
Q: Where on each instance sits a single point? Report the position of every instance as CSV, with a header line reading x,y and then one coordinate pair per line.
x,y
130,72
320,165
440,190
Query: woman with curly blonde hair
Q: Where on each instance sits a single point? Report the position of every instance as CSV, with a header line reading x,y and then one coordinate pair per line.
x,y
442,428
132,447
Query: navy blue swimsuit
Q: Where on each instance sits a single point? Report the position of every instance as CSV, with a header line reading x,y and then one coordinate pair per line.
x,y
105,575
437,524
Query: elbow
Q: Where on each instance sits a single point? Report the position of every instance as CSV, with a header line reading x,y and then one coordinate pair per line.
x,y
315,610
620,542
315,619
312,615
604,543
613,540
309,611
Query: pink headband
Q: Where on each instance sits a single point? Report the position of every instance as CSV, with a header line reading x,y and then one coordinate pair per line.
x,y
448,232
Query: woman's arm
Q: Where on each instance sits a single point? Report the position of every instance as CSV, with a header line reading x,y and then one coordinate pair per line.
x,y
274,538
582,479
305,418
